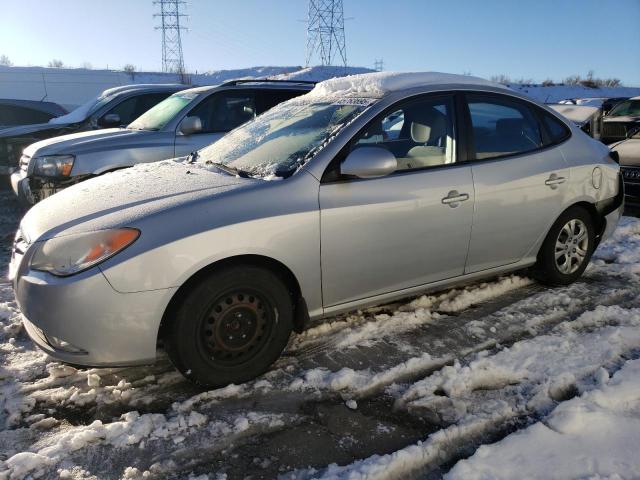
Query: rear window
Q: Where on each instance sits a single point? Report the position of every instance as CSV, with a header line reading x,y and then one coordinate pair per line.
x,y
502,126
15,115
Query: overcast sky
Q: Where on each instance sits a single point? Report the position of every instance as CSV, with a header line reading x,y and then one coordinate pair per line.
x,y
535,39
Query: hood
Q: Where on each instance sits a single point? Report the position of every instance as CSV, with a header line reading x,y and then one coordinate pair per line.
x,y
579,114
121,198
21,130
622,119
82,142
629,152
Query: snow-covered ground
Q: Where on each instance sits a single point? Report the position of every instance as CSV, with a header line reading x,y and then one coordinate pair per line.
x,y
500,379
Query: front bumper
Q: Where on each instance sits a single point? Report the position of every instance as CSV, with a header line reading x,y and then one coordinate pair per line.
x,y
97,325
631,176
31,190
20,186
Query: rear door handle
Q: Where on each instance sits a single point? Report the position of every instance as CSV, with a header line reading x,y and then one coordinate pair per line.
x,y
454,198
554,180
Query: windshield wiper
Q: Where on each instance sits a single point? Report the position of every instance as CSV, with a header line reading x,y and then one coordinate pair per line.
x,y
230,170
193,156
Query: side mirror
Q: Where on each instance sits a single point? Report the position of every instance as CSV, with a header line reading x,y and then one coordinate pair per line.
x,y
369,162
190,125
110,120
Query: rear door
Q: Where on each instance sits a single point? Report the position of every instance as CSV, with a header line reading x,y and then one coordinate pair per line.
x,y
520,181
406,229
219,113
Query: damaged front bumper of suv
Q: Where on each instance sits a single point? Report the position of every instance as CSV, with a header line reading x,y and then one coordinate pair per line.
x,y
31,189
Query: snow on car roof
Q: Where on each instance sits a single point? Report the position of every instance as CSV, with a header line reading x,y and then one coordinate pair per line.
x,y
380,83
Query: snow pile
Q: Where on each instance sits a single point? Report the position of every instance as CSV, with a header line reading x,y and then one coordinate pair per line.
x,y
136,429
593,436
379,83
555,93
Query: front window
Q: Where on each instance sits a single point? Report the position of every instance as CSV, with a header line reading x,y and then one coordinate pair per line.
x,y
418,132
157,117
628,107
283,139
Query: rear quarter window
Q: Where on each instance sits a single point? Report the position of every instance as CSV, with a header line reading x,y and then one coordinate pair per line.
x,y
556,130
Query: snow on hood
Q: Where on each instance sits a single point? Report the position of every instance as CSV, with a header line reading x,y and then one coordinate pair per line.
x,y
380,83
77,115
74,143
122,197
576,113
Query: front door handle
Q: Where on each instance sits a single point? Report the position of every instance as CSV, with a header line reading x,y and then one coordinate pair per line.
x,y
454,198
554,180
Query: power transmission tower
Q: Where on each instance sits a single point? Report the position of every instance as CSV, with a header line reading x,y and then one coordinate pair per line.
x,y
325,31
378,65
170,24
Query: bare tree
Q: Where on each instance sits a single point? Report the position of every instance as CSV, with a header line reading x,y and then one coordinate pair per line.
x,y
87,66
573,80
612,82
548,83
129,68
55,63
502,78
4,61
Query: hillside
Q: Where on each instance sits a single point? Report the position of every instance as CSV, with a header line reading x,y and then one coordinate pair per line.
x,y
72,87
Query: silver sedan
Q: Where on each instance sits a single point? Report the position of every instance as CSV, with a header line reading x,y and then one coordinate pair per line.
x,y
366,190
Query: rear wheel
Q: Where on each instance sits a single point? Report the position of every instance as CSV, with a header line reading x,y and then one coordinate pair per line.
x,y
230,327
566,251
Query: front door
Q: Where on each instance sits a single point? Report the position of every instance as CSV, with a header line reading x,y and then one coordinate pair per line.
x,y
406,229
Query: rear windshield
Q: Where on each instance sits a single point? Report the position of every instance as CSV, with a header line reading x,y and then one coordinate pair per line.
x,y
159,116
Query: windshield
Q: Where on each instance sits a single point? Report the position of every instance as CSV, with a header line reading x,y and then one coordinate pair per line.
x,y
283,139
83,111
161,114
628,107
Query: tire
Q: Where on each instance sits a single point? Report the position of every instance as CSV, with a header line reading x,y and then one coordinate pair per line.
x,y
230,327
574,249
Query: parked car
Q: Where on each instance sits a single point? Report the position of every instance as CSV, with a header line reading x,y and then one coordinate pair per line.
x,y
322,205
181,124
586,118
112,108
609,103
27,112
622,119
628,152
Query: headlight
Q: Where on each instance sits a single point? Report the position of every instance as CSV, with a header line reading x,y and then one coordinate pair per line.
x,y
53,165
69,255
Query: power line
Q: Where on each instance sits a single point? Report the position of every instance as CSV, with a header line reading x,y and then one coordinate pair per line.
x,y
170,24
325,32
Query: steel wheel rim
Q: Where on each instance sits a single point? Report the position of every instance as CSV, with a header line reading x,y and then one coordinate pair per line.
x,y
572,246
236,327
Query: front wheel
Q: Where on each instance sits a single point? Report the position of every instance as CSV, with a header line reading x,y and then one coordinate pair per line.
x,y
566,251
230,327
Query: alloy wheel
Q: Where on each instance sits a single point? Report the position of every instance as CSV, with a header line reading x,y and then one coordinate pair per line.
x,y
572,246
